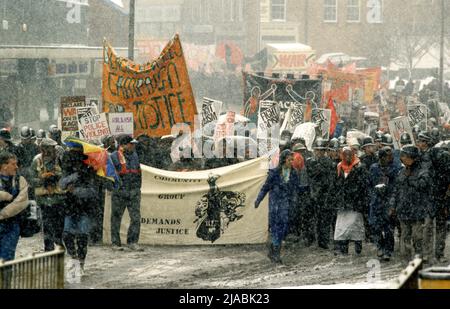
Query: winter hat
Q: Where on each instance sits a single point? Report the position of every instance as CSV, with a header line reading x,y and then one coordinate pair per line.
x,y
283,155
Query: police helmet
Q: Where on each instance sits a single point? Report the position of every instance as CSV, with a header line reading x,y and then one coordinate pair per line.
x,y
435,135
425,136
342,140
334,144
405,139
387,140
41,134
378,136
26,132
320,144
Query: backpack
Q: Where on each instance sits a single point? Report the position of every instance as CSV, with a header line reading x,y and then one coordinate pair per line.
x,y
29,219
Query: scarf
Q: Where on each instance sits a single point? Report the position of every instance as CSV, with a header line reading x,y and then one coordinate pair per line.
x,y
347,168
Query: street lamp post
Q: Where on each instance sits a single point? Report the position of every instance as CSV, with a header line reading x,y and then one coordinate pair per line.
x,y
131,31
441,59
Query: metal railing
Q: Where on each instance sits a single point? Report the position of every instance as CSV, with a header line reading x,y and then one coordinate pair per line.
x,y
38,271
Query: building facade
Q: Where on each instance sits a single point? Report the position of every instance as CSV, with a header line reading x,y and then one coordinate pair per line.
x,y
366,28
202,22
53,48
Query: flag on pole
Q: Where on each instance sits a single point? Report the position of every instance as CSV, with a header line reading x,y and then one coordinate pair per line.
x,y
334,116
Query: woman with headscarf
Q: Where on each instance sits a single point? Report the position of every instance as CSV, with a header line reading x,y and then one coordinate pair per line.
x,y
283,184
351,201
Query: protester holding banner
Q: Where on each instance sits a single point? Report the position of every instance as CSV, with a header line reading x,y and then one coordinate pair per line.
x,y
351,201
282,183
46,171
128,195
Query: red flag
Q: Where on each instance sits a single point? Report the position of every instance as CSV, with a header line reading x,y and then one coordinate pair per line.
x,y
308,111
334,116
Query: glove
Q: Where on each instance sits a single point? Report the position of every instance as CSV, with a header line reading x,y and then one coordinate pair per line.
x,y
256,204
5,196
380,188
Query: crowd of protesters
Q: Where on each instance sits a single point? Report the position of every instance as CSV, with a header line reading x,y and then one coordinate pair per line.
x,y
342,192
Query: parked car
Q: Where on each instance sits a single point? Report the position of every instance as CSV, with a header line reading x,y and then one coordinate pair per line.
x,y
341,59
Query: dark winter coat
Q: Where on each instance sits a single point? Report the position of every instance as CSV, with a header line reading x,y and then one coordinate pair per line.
x,y
352,192
28,152
380,197
80,181
321,174
437,161
412,194
369,160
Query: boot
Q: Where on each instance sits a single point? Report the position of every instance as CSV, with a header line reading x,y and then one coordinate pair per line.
x,y
276,255
270,254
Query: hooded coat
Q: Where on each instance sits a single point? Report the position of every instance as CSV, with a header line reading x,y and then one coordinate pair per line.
x,y
281,199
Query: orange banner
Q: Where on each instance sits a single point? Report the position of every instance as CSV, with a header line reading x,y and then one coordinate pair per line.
x,y
344,86
158,93
371,82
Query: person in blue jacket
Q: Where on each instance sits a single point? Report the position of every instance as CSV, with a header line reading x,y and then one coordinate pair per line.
x,y
282,183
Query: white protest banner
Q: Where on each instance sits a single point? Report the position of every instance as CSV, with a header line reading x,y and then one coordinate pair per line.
x,y
397,127
94,102
296,117
210,110
307,131
92,125
268,120
322,118
417,114
213,207
121,123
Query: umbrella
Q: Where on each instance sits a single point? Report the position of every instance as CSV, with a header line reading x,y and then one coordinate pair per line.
x,y
97,158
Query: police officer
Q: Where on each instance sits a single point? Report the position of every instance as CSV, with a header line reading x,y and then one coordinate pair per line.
x,y
128,195
29,150
321,172
411,202
437,161
7,145
369,157
39,136
382,177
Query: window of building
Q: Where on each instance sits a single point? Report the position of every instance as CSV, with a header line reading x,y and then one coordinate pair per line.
x,y
278,10
232,10
375,11
200,11
330,11
353,10
83,67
